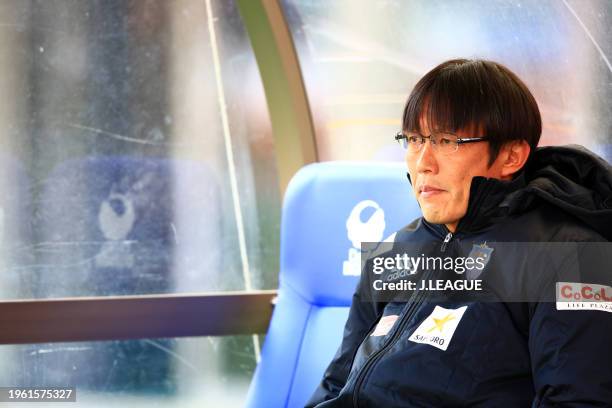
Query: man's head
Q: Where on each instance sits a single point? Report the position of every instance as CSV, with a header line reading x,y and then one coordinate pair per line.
x,y
466,99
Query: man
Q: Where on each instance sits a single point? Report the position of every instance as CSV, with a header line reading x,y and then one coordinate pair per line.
x,y
471,128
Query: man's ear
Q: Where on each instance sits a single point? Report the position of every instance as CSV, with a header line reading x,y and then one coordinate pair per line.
x,y
515,156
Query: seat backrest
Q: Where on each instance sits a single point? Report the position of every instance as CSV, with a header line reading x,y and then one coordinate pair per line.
x,y
329,209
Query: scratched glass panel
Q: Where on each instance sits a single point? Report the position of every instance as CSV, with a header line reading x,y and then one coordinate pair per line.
x,y
127,126
360,59
178,372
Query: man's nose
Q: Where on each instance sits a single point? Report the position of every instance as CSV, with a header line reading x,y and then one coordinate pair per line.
x,y
426,159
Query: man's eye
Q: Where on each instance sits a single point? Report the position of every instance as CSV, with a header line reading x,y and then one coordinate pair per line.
x,y
412,139
446,139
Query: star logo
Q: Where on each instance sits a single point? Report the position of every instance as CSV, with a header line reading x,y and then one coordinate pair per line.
x,y
445,322
439,323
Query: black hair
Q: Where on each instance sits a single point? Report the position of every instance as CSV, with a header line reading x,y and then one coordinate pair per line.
x,y
481,95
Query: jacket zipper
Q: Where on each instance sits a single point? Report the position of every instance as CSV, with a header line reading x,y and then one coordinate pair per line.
x,y
410,311
447,239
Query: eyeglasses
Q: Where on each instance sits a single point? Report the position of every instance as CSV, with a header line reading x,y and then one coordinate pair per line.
x,y
443,142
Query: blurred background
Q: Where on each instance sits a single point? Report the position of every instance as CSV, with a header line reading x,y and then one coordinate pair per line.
x,y
138,152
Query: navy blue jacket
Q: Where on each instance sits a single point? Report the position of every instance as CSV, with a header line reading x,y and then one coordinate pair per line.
x,y
502,354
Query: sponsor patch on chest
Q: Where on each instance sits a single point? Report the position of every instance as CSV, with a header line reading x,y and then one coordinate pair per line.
x,y
438,328
384,325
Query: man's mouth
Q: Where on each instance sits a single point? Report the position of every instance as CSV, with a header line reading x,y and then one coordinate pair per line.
x,y
428,191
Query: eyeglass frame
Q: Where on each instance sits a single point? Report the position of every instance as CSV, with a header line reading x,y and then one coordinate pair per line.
x,y
400,135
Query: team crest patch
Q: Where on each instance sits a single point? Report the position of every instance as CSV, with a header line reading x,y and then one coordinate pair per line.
x,y
479,251
438,328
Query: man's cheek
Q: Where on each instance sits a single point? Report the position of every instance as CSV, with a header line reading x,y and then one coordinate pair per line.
x,y
459,204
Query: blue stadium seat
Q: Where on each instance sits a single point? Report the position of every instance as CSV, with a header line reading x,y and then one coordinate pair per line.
x,y
329,209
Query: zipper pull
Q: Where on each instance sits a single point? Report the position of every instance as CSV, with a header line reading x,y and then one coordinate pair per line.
x,y
447,238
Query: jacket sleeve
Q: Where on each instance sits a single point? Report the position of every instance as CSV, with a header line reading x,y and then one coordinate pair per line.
x,y
571,357
362,316
571,353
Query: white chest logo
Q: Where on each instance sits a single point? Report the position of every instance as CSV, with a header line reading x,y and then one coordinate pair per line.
x,y
438,328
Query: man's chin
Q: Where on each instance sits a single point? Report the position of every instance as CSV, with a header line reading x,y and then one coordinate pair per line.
x,y
440,219
435,218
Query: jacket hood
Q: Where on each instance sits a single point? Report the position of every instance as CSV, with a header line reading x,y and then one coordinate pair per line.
x,y
571,178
